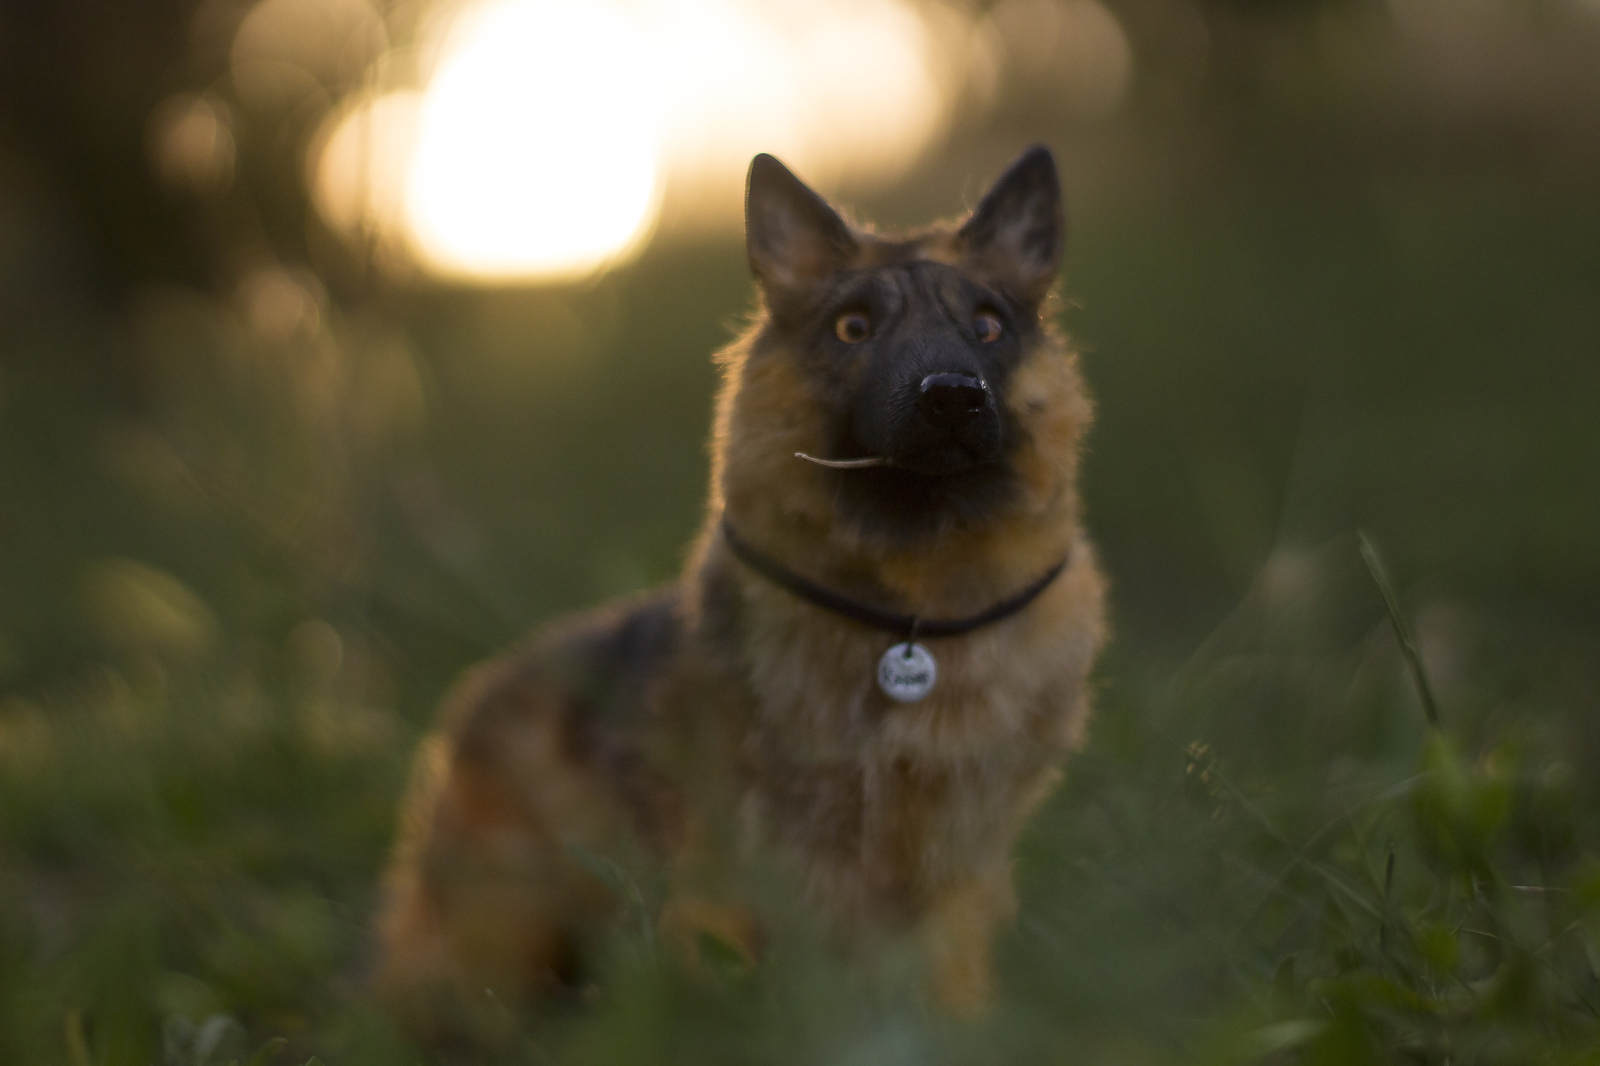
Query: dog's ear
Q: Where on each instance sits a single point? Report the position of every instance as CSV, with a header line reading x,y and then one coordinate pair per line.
x,y
793,237
1018,229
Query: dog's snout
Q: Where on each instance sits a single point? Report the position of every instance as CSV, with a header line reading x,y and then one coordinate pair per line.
x,y
950,399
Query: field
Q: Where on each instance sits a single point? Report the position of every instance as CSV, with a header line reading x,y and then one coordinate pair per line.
x,y
1325,816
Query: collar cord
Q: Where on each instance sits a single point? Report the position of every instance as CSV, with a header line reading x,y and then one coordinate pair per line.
x,y
890,621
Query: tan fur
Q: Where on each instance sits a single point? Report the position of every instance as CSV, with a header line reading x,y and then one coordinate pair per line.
x,y
774,741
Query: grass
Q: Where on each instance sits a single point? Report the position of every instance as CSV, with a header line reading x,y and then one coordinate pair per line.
x,y
192,846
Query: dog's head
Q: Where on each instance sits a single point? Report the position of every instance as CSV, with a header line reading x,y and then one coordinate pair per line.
x,y
911,352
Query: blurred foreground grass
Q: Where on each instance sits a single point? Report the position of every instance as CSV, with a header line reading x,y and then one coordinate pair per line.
x,y
1269,857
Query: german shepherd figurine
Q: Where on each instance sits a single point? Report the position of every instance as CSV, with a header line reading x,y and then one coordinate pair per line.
x,y
870,672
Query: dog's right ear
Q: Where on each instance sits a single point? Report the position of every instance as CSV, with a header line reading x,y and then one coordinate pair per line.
x,y
793,237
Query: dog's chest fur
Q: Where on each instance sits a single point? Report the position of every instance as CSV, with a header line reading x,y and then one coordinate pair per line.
x,y
883,805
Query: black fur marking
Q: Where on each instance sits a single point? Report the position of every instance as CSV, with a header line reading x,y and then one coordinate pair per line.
x,y
901,507
620,654
612,654
922,312
599,669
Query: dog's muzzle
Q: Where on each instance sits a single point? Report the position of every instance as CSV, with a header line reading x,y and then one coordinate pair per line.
x,y
955,425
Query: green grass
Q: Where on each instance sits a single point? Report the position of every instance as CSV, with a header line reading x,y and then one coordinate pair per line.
x,y
1271,856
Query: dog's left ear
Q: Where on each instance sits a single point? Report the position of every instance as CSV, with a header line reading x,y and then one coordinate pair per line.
x,y
1018,229
794,238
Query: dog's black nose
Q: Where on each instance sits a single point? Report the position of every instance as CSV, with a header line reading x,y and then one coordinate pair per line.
x,y
950,399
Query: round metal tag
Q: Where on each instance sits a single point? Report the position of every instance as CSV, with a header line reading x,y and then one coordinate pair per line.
x,y
907,672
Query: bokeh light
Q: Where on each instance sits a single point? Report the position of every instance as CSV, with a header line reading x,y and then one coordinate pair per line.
x,y
1072,52
359,171
191,142
536,142
842,90
286,50
545,134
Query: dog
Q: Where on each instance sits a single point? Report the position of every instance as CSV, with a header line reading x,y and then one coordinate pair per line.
x,y
869,674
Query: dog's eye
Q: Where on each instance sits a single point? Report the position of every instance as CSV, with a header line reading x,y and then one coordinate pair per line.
x,y
852,327
987,327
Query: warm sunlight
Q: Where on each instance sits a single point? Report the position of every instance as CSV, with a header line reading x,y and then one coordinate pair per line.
x,y
536,143
359,181
546,133
841,90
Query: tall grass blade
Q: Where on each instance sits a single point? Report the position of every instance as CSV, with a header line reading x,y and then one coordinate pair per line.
x,y
1402,632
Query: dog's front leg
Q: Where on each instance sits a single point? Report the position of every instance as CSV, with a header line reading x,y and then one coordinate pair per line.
x,y
958,932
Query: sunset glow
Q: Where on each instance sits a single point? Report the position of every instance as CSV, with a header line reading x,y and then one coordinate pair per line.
x,y
546,133
536,143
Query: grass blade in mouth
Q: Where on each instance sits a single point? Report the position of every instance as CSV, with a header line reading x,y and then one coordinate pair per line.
x,y
845,464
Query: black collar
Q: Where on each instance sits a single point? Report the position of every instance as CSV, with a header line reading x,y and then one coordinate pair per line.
x,y
905,624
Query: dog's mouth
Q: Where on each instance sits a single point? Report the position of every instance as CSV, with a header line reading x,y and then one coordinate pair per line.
x,y
942,460
907,490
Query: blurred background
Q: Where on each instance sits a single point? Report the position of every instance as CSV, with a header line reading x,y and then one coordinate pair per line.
x,y
341,341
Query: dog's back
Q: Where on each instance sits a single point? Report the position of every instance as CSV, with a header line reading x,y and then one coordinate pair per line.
x,y
538,755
